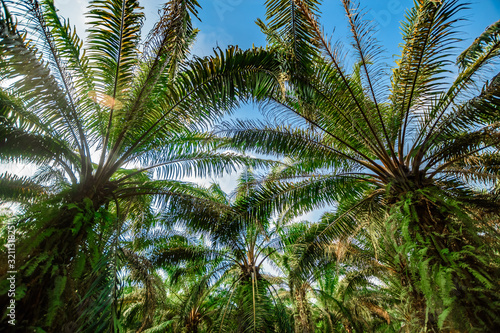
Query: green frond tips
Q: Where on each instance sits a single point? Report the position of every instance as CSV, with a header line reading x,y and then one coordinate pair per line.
x,y
289,31
486,44
20,189
114,36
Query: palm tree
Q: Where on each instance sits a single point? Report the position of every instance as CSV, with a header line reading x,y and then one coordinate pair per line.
x,y
353,294
186,299
289,262
330,286
115,121
144,298
219,243
408,146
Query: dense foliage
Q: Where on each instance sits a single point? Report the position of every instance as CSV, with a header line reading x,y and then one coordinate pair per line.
x,y
109,239
113,122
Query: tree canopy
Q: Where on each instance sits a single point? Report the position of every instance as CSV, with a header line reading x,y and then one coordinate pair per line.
x,y
110,237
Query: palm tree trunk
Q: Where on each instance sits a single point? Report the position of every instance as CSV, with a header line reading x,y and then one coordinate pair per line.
x,y
302,311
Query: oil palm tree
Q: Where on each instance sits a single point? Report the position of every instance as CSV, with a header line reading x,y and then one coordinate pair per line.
x,y
330,286
221,244
113,120
288,263
182,299
144,299
415,142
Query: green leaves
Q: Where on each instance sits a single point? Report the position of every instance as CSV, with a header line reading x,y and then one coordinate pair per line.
x,y
486,45
112,123
114,36
289,31
400,169
20,189
117,123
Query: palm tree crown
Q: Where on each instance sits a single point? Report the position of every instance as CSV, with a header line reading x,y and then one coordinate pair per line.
x,y
407,155
407,149
115,121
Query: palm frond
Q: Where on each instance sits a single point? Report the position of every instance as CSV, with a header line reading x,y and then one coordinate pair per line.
x,y
429,39
19,189
287,28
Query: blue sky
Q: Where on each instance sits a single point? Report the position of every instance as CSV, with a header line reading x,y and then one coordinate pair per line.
x,y
231,22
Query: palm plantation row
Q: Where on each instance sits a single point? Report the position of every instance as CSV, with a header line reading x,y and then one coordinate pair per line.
x,y
109,239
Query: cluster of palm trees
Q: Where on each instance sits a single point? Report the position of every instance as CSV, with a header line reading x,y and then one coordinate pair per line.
x,y
245,277
110,238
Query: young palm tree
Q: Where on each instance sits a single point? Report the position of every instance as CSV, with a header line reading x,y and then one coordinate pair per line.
x,y
415,144
107,118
